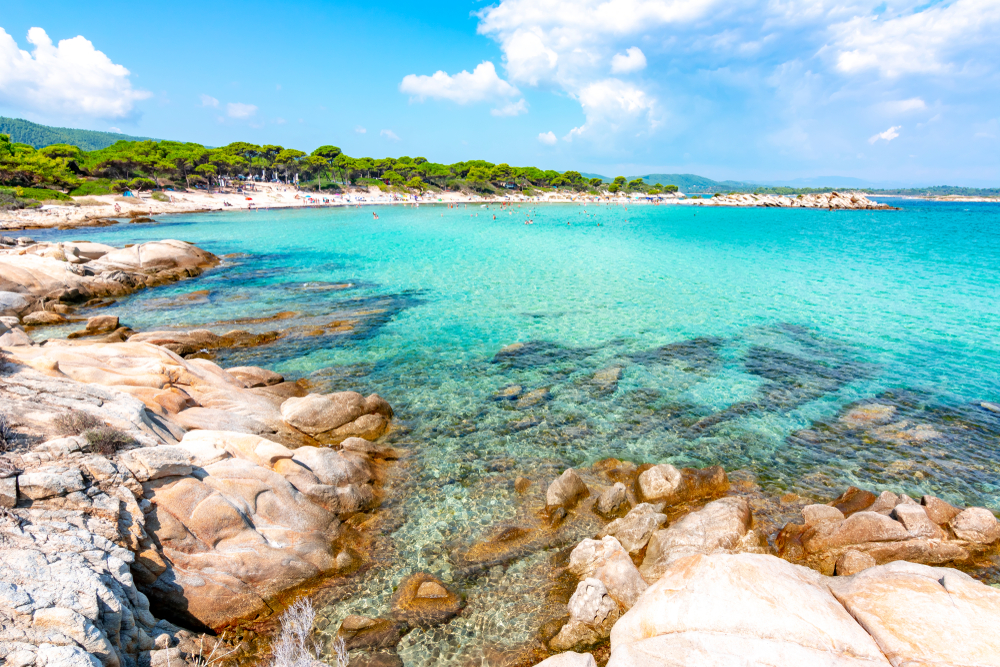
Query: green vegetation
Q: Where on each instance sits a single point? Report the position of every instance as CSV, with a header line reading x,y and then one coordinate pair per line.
x,y
156,165
42,163
39,136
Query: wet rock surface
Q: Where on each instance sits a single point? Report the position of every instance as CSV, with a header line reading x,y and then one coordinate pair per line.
x,y
888,527
423,600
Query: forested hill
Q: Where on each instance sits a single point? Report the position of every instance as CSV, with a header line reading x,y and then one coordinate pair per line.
x,y
39,136
695,183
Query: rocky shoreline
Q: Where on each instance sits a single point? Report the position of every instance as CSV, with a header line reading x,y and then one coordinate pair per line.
x,y
834,201
149,496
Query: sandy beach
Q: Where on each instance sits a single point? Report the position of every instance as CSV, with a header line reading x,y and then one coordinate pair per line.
x,y
95,210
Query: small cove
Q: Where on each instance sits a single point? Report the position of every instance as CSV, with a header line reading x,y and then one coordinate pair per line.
x,y
740,335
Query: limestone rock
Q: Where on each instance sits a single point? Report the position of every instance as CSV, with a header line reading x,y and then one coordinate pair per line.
x,y
565,490
888,527
851,562
42,318
343,414
634,529
976,525
612,500
12,303
592,611
360,632
816,514
607,561
916,522
854,500
49,482
8,491
716,610
858,528
938,510
409,606
569,659
254,376
149,463
720,526
102,324
660,481
920,615
238,534
665,483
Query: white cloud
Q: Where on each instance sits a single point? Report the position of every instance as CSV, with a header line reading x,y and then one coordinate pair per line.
x,y
115,129
632,60
359,130
528,59
462,88
939,40
547,138
209,101
389,134
888,135
240,110
511,109
903,106
70,78
280,121
613,104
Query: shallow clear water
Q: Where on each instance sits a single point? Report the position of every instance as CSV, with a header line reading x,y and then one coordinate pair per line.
x,y
741,335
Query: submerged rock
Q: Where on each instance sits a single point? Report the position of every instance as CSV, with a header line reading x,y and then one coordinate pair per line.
x,y
565,490
422,600
360,632
665,483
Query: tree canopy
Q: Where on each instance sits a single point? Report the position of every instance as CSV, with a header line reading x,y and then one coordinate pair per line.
x,y
159,164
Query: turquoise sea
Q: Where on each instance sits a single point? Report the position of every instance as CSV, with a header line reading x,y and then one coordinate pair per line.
x,y
740,334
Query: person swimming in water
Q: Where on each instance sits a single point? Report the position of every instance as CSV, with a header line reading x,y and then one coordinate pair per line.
x,y
375,214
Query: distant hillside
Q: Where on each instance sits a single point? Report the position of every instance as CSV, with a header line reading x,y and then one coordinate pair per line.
x,y
39,136
695,183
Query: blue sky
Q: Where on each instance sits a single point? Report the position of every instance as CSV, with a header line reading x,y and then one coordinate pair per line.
x,y
766,90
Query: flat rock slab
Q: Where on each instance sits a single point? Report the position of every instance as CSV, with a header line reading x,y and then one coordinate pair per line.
x,y
425,610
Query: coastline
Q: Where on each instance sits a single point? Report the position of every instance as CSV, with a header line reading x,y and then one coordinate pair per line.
x,y
101,210
625,525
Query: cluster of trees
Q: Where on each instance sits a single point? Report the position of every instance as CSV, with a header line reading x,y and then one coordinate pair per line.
x,y
151,164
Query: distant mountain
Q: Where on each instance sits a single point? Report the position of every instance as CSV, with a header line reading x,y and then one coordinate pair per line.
x,y
603,178
40,136
695,183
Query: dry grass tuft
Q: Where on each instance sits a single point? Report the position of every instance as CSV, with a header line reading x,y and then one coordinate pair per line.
x,y
294,646
76,422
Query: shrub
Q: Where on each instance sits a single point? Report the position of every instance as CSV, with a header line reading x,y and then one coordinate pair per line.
x,y
107,440
159,196
142,184
39,194
6,434
119,186
89,201
294,646
100,186
76,422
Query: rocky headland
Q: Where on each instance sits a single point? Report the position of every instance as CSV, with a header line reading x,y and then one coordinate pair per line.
x,y
835,201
